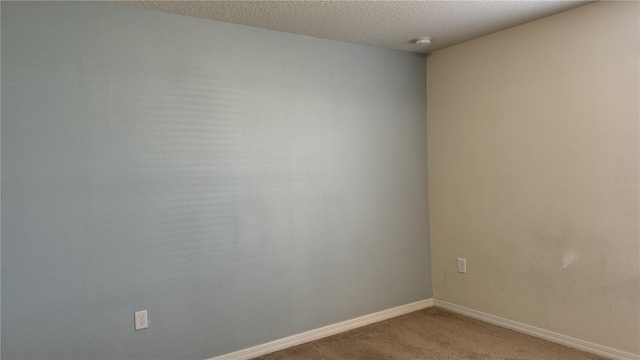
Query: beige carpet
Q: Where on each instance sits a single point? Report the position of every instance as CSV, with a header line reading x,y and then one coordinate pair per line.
x,y
430,334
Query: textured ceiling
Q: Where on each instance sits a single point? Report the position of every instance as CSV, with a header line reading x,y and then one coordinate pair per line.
x,y
389,24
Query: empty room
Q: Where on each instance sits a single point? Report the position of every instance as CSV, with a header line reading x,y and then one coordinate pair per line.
x,y
320,180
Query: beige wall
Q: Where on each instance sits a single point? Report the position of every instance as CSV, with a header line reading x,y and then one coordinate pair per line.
x,y
533,173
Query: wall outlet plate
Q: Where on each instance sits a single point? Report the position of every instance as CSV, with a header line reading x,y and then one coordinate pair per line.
x,y
141,320
462,265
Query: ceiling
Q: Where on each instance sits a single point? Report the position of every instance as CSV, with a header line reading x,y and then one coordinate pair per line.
x,y
388,24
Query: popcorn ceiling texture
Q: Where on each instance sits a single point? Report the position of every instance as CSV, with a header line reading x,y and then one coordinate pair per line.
x,y
388,24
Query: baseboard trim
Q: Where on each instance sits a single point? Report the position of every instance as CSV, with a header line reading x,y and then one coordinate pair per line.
x,y
596,349
324,331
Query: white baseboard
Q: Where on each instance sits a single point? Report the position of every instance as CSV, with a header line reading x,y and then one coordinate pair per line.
x,y
538,332
324,331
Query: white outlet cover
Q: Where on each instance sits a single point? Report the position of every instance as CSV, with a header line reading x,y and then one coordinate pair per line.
x,y
462,265
141,320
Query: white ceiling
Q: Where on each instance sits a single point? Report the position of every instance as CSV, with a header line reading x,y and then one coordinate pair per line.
x,y
389,24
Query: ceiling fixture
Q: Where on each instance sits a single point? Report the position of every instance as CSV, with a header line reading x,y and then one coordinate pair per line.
x,y
423,41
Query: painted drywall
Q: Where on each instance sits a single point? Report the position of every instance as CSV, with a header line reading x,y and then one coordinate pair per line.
x,y
242,185
533,173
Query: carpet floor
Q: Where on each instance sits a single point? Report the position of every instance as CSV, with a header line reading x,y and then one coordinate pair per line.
x,y
430,333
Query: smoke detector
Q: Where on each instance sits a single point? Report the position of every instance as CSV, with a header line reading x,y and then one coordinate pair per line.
x,y
423,41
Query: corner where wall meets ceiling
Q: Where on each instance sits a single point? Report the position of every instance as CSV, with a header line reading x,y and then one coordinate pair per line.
x,y
387,24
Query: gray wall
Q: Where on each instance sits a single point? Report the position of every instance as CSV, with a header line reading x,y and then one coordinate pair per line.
x,y
242,185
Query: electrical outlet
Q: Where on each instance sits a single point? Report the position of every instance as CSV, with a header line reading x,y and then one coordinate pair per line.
x,y
462,265
141,320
